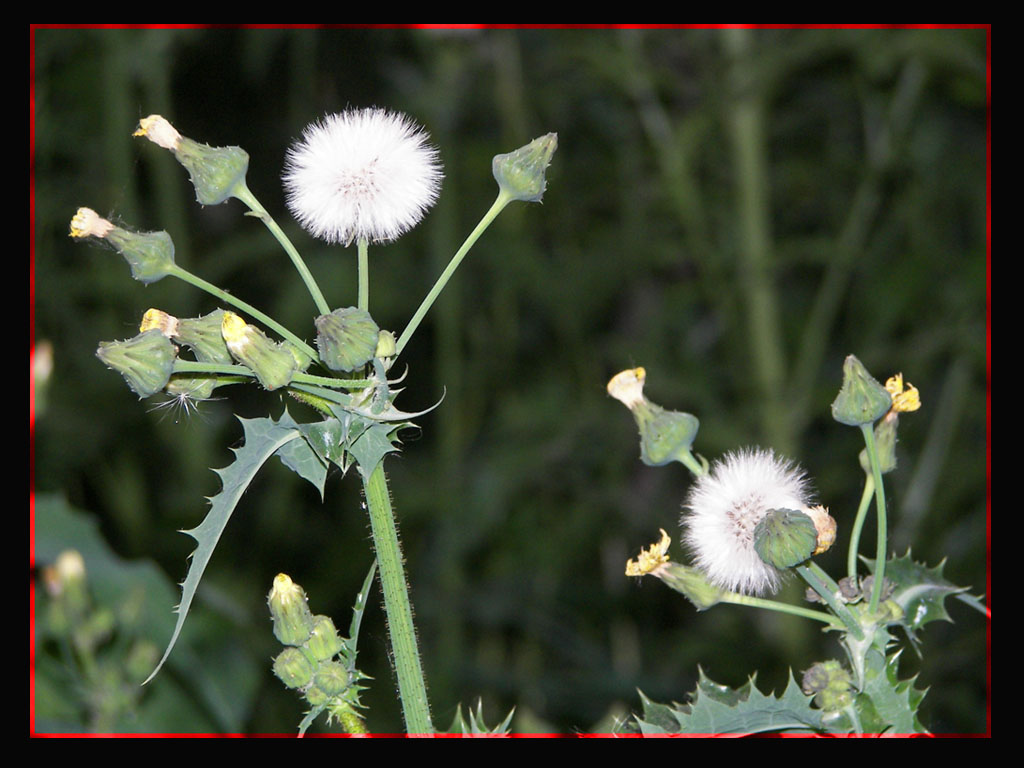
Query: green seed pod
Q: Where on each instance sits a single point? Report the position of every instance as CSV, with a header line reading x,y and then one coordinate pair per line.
x,y
346,338
216,172
149,254
203,335
293,621
145,361
273,365
520,174
785,537
862,400
324,642
331,678
293,668
664,435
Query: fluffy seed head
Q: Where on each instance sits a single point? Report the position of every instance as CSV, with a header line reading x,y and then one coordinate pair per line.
x,y
361,174
723,509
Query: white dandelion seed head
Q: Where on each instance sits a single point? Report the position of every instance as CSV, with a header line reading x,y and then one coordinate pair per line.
x,y
725,505
359,174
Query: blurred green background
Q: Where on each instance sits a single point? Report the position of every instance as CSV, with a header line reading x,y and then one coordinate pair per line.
x,y
734,210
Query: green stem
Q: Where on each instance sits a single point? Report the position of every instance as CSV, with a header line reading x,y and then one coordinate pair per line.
x,y
242,193
213,290
822,583
191,366
412,688
502,200
364,276
858,525
880,544
774,605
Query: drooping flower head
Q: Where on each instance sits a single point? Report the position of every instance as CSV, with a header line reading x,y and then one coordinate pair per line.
x,y
723,509
361,174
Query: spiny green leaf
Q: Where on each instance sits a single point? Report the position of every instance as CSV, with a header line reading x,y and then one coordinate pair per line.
x,y
888,704
476,725
300,457
263,438
714,708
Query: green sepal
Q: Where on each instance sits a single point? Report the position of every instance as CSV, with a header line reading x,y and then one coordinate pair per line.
x,y
521,174
216,172
149,254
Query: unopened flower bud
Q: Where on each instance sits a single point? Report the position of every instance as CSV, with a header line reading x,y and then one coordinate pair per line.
x,y
346,338
273,365
664,435
293,668
293,621
331,678
862,400
324,641
145,361
149,254
204,336
831,685
216,172
520,174
785,537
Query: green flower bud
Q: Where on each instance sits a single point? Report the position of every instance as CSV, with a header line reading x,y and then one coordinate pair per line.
x,y
785,537
324,642
520,174
885,444
664,435
831,685
293,621
862,400
293,668
145,361
216,172
302,360
149,254
204,336
331,678
346,338
315,696
272,363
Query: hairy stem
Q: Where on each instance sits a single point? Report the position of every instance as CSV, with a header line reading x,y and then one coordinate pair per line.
x,y
412,688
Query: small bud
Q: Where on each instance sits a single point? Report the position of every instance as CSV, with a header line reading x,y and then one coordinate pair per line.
x,y
785,537
293,621
664,435
324,641
885,444
386,345
520,174
145,361
293,668
346,338
825,525
862,400
149,254
216,172
273,365
302,360
331,678
831,685
204,336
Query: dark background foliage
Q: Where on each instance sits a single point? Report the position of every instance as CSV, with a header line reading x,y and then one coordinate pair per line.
x,y
734,210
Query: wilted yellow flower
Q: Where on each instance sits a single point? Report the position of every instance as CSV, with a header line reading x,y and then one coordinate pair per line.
x,y
651,558
903,401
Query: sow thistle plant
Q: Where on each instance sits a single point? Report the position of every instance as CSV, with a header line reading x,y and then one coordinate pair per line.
x,y
358,177
749,521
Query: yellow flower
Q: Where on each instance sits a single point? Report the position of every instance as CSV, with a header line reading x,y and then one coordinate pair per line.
x,y
650,559
903,401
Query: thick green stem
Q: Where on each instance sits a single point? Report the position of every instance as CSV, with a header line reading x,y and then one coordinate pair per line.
x,y
213,290
883,532
412,688
858,526
827,589
502,200
364,276
242,193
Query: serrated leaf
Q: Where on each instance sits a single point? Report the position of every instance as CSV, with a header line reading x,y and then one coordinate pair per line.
x,y
476,725
891,705
300,457
263,438
327,438
919,590
714,708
